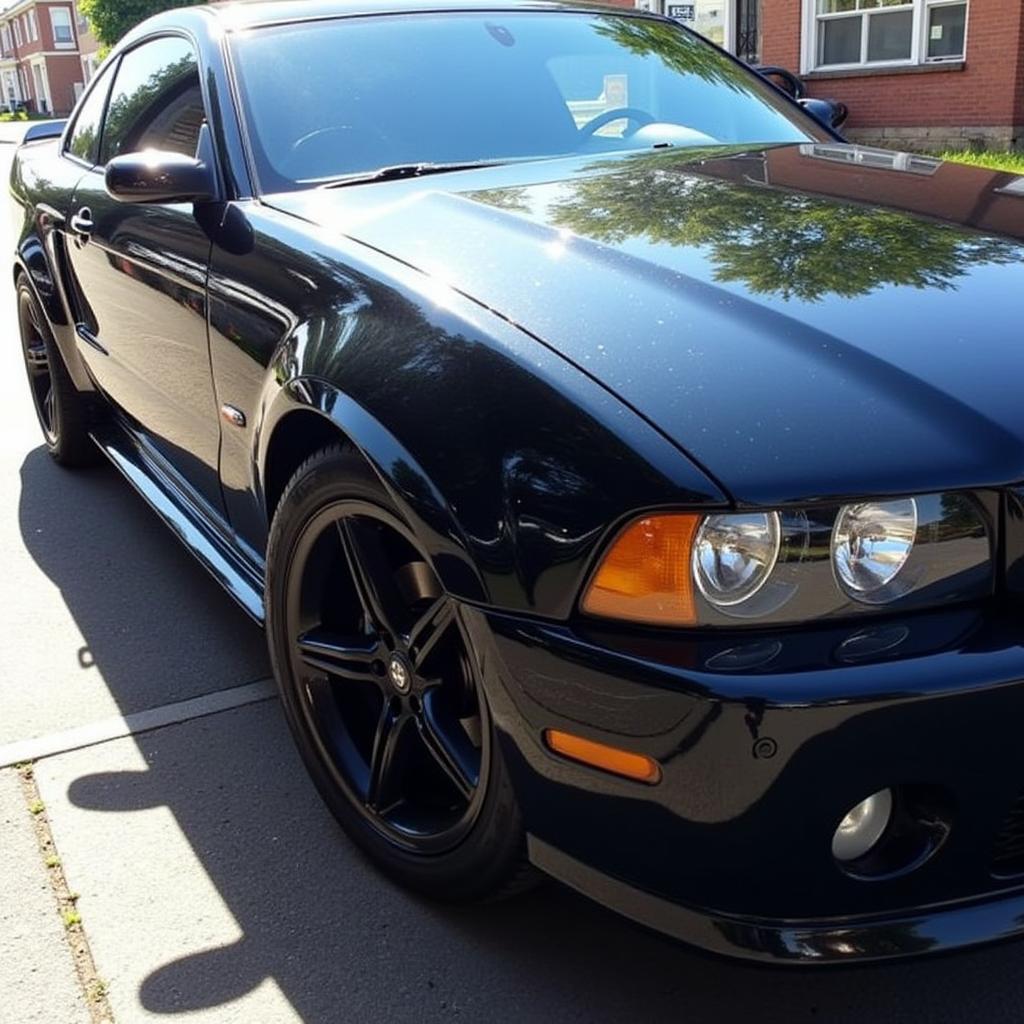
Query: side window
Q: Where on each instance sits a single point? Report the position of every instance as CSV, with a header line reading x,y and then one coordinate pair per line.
x,y
84,140
156,102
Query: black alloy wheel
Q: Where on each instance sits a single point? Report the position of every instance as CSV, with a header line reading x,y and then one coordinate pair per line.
x,y
381,688
37,363
388,686
62,410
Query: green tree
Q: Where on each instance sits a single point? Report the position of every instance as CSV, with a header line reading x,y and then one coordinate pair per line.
x,y
793,244
111,19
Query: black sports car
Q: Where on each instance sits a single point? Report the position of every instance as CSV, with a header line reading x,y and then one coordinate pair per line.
x,y
629,473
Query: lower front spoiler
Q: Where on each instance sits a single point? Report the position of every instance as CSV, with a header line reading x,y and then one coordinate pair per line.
x,y
799,943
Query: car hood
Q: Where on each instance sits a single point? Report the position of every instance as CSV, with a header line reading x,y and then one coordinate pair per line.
x,y
803,321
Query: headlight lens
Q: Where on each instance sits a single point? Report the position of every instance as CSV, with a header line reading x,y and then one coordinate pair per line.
x,y
797,565
734,555
871,543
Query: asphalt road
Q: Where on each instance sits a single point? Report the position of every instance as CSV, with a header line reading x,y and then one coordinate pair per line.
x,y
214,887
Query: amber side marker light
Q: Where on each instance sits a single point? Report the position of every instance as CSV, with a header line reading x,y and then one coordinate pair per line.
x,y
645,575
600,755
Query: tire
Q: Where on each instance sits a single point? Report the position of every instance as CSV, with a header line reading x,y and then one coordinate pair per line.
x,y
64,413
340,563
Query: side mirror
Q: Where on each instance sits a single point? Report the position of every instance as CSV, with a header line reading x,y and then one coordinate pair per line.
x,y
155,176
830,113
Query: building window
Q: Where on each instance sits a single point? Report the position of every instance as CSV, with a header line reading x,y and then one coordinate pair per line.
x,y
864,33
33,26
63,34
5,38
17,31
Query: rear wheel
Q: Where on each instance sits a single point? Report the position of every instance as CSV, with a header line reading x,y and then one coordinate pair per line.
x,y
63,411
381,689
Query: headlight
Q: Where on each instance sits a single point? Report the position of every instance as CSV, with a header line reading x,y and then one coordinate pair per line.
x,y
734,555
776,567
871,544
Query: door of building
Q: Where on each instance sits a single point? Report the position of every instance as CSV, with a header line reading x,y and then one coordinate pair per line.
x,y
731,24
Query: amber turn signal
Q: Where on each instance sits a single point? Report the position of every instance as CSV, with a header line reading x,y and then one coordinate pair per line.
x,y
645,575
600,755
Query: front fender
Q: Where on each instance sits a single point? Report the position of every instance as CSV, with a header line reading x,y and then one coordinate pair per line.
x,y
418,500
511,464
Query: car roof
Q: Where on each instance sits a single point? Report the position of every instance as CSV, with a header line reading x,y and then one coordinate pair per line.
x,y
242,14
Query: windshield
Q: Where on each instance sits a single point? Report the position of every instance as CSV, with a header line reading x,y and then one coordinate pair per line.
x,y
328,99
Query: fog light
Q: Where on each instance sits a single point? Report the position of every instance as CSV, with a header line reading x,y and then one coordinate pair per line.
x,y
863,826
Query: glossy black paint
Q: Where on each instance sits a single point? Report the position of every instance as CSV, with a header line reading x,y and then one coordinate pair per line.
x,y
531,355
167,178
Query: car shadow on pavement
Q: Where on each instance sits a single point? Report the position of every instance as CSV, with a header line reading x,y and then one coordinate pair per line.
x,y
339,941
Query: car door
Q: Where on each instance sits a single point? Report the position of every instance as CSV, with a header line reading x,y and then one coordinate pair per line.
x,y
139,271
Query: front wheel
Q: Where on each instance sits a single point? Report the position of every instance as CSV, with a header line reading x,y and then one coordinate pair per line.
x,y
381,689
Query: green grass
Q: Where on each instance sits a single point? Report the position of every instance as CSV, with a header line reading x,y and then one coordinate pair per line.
x,y
1013,162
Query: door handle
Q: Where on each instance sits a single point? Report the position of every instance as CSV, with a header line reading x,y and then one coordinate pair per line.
x,y
81,223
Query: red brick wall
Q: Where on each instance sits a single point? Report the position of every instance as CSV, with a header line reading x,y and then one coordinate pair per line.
x,y
63,72
988,91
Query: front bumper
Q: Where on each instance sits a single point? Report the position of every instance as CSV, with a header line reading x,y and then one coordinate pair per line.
x,y
764,743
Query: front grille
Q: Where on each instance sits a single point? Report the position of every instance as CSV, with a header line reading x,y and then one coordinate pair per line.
x,y
1008,852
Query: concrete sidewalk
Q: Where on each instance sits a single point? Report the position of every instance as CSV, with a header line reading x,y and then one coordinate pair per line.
x,y
37,978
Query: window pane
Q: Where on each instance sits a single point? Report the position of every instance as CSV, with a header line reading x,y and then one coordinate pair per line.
x,y
157,102
946,31
85,135
889,36
836,6
839,41
60,18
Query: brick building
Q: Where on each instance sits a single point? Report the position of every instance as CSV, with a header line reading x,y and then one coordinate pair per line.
x,y
921,73
46,56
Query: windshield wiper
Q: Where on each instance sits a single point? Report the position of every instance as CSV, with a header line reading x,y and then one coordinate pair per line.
x,y
396,172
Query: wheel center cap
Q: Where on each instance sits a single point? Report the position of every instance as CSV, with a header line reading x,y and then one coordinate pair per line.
x,y
398,672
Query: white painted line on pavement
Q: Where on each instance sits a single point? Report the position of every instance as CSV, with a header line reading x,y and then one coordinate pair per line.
x,y
140,721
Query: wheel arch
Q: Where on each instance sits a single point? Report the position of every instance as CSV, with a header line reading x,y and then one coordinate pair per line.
x,y
32,261
308,414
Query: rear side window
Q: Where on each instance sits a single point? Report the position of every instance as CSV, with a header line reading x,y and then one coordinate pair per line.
x,y
156,102
85,136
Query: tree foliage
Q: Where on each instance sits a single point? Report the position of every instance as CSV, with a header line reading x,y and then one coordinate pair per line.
x,y
111,19
792,244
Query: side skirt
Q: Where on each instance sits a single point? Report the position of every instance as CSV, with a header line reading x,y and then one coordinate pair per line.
x,y
201,531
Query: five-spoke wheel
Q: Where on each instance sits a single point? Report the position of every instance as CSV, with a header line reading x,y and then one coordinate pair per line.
x,y
381,686
387,683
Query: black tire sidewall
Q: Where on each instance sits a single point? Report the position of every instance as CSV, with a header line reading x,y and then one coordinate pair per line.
x,y
491,852
70,444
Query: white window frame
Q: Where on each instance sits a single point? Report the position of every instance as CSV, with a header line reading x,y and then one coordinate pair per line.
x,y
41,84
59,44
921,10
5,37
17,32
33,26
